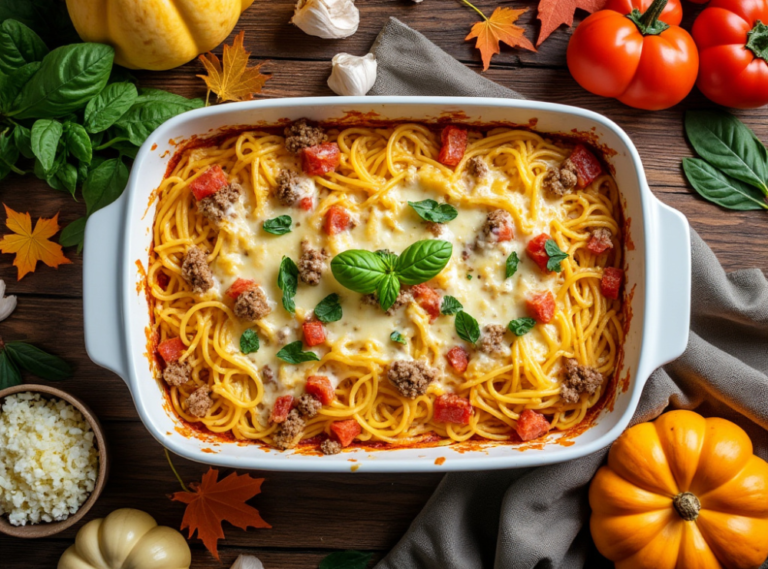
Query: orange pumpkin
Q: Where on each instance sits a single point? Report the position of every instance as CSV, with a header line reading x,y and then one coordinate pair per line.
x,y
683,492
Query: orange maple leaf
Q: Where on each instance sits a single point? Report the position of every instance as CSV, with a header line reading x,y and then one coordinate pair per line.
x,y
234,81
553,13
499,27
30,245
212,502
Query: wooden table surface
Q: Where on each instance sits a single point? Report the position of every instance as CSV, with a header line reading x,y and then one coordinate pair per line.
x,y
314,514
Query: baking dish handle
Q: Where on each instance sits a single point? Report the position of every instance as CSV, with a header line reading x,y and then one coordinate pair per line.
x,y
102,278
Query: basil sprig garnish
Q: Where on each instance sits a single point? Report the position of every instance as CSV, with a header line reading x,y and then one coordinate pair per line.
x,y
249,342
430,210
388,291
329,309
279,225
713,185
293,354
398,337
511,267
556,255
288,282
521,326
423,260
467,327
450,305
20,355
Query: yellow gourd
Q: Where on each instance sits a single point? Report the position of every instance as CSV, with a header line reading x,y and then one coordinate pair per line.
x,y
156,34
683,492
127,539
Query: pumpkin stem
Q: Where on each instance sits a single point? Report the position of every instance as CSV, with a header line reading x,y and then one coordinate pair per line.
x,y
687,506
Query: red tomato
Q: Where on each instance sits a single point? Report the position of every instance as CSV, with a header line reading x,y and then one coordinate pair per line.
x,y
281,409
307,203
320,386
336,220
541,307
505,233
320,159
314,333
531,425
171,350
346,431
588,167
163,280
596,246
610,285
239,287
209,182
731,37
454,141
450,408
672,14
536,251
428,299
458,358
611,56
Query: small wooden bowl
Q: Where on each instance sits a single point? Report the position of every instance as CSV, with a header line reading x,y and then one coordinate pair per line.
x,y
47,529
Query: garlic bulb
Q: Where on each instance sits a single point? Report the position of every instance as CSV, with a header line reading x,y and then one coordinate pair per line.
x,y
352,75
247,562
7,303
327,19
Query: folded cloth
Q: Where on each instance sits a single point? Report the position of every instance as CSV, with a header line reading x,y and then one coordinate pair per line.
x,y
537,517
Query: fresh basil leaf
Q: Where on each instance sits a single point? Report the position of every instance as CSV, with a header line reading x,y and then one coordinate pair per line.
x,y
388,291
35,360
469,277
556,256
67,79
19,45
151,109
125,148
398,337
467,327
279,225
249,342
430,210
22,136
512,262
107,107
288,282
388,257
346,560
44,141
74,234
12,83
9,154
359,270
78,142
716,187
521,326
66,174
293,354
729,145
423,260
450,306
9,373
329,309
48,18
104,184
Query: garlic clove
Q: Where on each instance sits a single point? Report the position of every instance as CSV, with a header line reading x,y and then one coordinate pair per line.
x,y
247,562
352,74
7,303
327,19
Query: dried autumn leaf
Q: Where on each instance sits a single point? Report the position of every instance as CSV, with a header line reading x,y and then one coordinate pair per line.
x,y
234,80
499,27
31,245
554,13
212,502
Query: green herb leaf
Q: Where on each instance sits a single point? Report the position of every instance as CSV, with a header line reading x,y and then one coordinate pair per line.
x,y
107,107
556,256
126,148
467,327
9,154
450,305
359,270
249,341
423,260
430,210
388,291
293,354
12,83
19,45
74,234
279,225
22,136
105,184
38,362
398,337
521,326
151,109
512,262
288,281
9,373
48,18
729,145
469,277
44,141
346,560
329,309
78,142
714,186
388,257
66,175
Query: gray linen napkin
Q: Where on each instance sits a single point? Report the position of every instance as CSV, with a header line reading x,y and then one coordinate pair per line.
x,y
528,518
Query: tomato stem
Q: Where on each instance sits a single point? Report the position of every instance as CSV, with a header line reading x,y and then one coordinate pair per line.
x,y
476,9
757,40
648,23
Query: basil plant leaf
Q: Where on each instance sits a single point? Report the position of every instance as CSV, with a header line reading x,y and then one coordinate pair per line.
x,y
104,184
66,175
74,234
9,154
44,141
329,309
48,18
398,337
22,136
107,107
19,45
249,342
279,225
556,256
388,257
467,327
450,305
151,109
716,187
293,354
359,270
9,373
346,560
388,291
423,260
288,282
125,148
35,360
521,326
78,142
12,83
430,210
511,267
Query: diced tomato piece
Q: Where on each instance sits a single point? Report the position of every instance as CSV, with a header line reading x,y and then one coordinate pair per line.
x,y
451,408
537,252
320,159
428,299
346,431
454,140
307,203
610,285
171,350
281,409
541,307
597,246
239,287
532,425
336,220
505,233
458,358
209,182
587,166
163,280
314,333
320,386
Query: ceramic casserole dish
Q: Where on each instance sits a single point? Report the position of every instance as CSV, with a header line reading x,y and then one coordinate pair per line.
x,y
117,316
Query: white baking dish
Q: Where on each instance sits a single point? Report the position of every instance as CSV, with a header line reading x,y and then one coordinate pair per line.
x,y
119,236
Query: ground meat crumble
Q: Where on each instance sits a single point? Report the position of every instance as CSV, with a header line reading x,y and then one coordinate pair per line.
x,y
287,188
561,180
411,378
492,340
267,375
497,219
477,167
196,271
300,135
216,206
403,298
311,264
329,446
308,405
200,402
579,379
252,305
288,433
177,373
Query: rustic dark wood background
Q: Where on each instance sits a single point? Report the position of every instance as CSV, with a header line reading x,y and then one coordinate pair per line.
x,y
315,514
